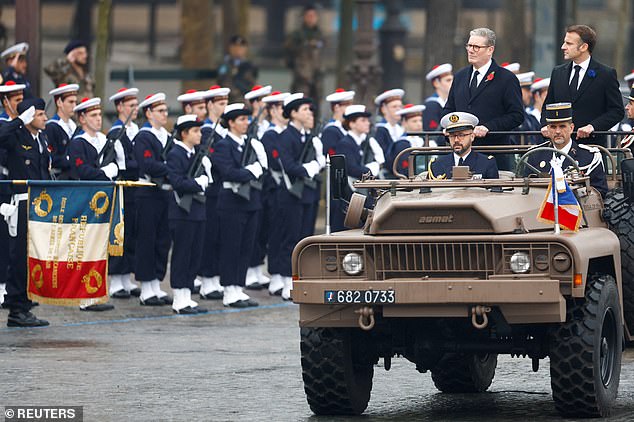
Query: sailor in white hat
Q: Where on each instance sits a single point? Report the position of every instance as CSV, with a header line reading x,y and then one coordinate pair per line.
x,y
61,128
194,102
121,268
270,237
458,126
239,202
412,121
16,66
151,146
11,94
441,78
187,226
212,131
539,90
511,67
389,131
254,98
334,131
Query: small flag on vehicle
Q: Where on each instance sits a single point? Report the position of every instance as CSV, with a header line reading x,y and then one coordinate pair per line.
x,y
560,196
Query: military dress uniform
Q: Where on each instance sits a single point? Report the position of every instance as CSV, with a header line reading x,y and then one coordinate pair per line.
x,y
120,268
209,268
434,104
407,141
28,158
153,240
237,215
187,227
304,49
59,133
61,71
10,74
388,133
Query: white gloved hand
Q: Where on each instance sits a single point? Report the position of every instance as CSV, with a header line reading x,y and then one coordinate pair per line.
x,y
206,163
203,181
321,160
255,169
379,157
111,170
318,145
27,115
260,152
374,168
7,209
312,168
120,154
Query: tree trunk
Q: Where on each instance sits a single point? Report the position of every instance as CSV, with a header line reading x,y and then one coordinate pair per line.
x,y
440,35
101,56
197,43
621,37
513,45
344,42
235,19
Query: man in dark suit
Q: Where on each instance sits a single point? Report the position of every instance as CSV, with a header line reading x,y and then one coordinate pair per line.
x,y
459,128
590,86
488,91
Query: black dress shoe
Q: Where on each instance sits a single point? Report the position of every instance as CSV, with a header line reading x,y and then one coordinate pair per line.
x,y
4,305
251,302
121,294
186,311
201,310
100,307
212,295
276,293
25,319
34,304
196,290
239,304
136,292
167,299
152,301
254,286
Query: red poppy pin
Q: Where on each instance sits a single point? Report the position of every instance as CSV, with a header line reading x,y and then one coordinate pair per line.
x,y
490,76
147,153
331,151
211,150
405,164
275,153
78,162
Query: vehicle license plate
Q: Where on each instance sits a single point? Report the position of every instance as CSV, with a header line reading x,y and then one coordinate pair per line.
x,y
359,296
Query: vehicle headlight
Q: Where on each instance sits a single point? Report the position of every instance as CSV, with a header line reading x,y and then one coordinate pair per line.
x,y
352,263
520,262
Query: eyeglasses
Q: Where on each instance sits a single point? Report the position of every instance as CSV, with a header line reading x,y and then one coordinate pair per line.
x,y
475,47
459,136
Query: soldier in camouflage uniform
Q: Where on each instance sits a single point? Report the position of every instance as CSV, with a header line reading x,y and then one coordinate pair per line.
x,y
303,56
73,69
236,72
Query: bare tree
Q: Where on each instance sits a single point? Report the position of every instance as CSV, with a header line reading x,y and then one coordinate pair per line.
x,y
197,38
101,56
440,33
514,44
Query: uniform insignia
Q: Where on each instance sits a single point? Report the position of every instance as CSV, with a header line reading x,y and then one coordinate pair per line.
x,y
78,162
454,118
433,124
27,162
405,164
276,154
147,153
542,164
490,157
26,147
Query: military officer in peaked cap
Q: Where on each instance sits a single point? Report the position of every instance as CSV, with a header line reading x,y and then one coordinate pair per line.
x,y
558,117
61,128
459,129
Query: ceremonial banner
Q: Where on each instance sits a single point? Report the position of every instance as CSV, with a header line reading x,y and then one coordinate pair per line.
x,y
570,212
115,247
69,226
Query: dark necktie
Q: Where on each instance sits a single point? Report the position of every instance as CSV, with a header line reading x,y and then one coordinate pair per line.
x,y
461,161
574,83
474,83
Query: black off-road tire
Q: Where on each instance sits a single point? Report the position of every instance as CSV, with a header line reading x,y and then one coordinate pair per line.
x,y
619,215
585,352
337,374
464,373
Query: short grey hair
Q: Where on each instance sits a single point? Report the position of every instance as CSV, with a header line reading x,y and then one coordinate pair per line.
x,y
486,33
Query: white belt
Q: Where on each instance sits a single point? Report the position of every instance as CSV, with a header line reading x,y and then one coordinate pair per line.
x,y
234,186
10,212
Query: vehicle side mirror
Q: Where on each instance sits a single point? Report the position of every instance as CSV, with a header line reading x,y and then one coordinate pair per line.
x,y
339,178
627,175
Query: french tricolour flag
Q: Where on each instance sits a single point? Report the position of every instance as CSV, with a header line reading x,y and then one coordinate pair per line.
x,y
570,213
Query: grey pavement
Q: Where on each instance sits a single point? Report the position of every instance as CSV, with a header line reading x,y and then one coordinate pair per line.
x,y
137,363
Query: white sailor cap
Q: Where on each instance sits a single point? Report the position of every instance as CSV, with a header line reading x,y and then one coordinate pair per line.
x,y
216,91
152,99
439,70
88,104
526,78
11,87
459,120
64,89
124,94
186,121
512,67
191,96
629,77
340,95
411,109
355,110
258,91
389,95
540,83
235,110
19,48
275,97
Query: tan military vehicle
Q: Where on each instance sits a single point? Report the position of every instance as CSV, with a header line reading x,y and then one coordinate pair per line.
x,y
451,273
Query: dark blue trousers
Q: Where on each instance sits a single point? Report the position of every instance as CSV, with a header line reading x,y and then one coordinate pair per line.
x,y
187,237
16,298
237,231
296,218
125,264
210,259
153,238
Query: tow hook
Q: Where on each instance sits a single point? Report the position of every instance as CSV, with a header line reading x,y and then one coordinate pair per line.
x,y
366,318
480,311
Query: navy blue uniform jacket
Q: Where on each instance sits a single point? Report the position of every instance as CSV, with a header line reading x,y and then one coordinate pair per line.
x,y
58,141
478,164
330,137
497,101
86,160
214,188
148,149
290,148
131,171
354,156
178,165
